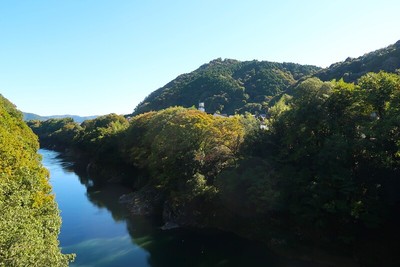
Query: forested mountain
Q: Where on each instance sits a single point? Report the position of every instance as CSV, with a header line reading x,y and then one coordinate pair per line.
x,y
386,59
231,86
228,86
29,217
76,118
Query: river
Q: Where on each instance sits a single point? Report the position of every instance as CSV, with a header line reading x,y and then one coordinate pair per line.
x,y
101,232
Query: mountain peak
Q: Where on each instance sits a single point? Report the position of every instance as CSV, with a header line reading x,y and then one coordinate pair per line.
x,y
227,86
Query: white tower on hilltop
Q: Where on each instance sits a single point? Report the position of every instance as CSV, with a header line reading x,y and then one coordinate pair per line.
x,y
201,107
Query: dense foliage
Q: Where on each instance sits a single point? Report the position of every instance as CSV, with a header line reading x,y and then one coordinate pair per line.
x,y
385,59
95,137
330,164
227,86
184,150
324,172
29,217
55,133
169,143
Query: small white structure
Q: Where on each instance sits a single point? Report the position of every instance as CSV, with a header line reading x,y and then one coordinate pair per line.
x,y
201,107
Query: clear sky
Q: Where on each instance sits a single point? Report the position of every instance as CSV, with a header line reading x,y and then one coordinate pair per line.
x,y
94,57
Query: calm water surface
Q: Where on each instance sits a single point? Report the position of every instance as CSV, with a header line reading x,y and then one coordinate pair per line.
x,y
100,231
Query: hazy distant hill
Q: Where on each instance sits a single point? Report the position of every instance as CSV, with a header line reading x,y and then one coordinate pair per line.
x,y
387,59
78,119
228,86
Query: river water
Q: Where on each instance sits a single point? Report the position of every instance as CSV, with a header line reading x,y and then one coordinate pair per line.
x,y
101,232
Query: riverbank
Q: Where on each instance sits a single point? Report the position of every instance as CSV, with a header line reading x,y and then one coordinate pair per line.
x,y
146,201
102,232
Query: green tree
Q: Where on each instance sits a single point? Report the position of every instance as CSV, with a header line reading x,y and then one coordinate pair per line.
x,y
99,137
29,219
56,133
335,148
183,150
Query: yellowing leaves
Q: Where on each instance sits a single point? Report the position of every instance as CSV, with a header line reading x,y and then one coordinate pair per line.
x,y
177,143
29,219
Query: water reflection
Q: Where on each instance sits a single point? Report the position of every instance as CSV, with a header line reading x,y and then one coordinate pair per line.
x,y
102,232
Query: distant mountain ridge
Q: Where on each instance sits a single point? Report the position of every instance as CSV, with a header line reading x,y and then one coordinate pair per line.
x,y
76,118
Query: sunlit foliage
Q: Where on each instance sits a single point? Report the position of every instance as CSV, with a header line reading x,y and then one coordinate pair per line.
x,y
228,86
177,144
29,217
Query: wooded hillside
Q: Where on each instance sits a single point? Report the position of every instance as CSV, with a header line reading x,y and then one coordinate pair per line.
x,y
29,217
227,86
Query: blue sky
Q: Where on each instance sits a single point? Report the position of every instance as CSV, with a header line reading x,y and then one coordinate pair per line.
x,y
94,57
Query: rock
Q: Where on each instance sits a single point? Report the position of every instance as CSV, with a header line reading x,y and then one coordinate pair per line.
x,y
142,202
180,214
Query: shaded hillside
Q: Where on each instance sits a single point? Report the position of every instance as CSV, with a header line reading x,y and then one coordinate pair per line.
x,y
78,119
386,59
227,86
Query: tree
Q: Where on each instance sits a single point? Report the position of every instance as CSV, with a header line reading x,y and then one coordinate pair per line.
x,y
29,219
183,150
99,137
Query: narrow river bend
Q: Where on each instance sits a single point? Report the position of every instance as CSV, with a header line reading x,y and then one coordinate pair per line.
x,y
101,232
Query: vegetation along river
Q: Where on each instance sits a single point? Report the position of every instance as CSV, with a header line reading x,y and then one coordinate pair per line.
x,y
102,233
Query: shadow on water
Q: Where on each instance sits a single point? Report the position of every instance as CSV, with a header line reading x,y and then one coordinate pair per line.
x,y
190,247
143,243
